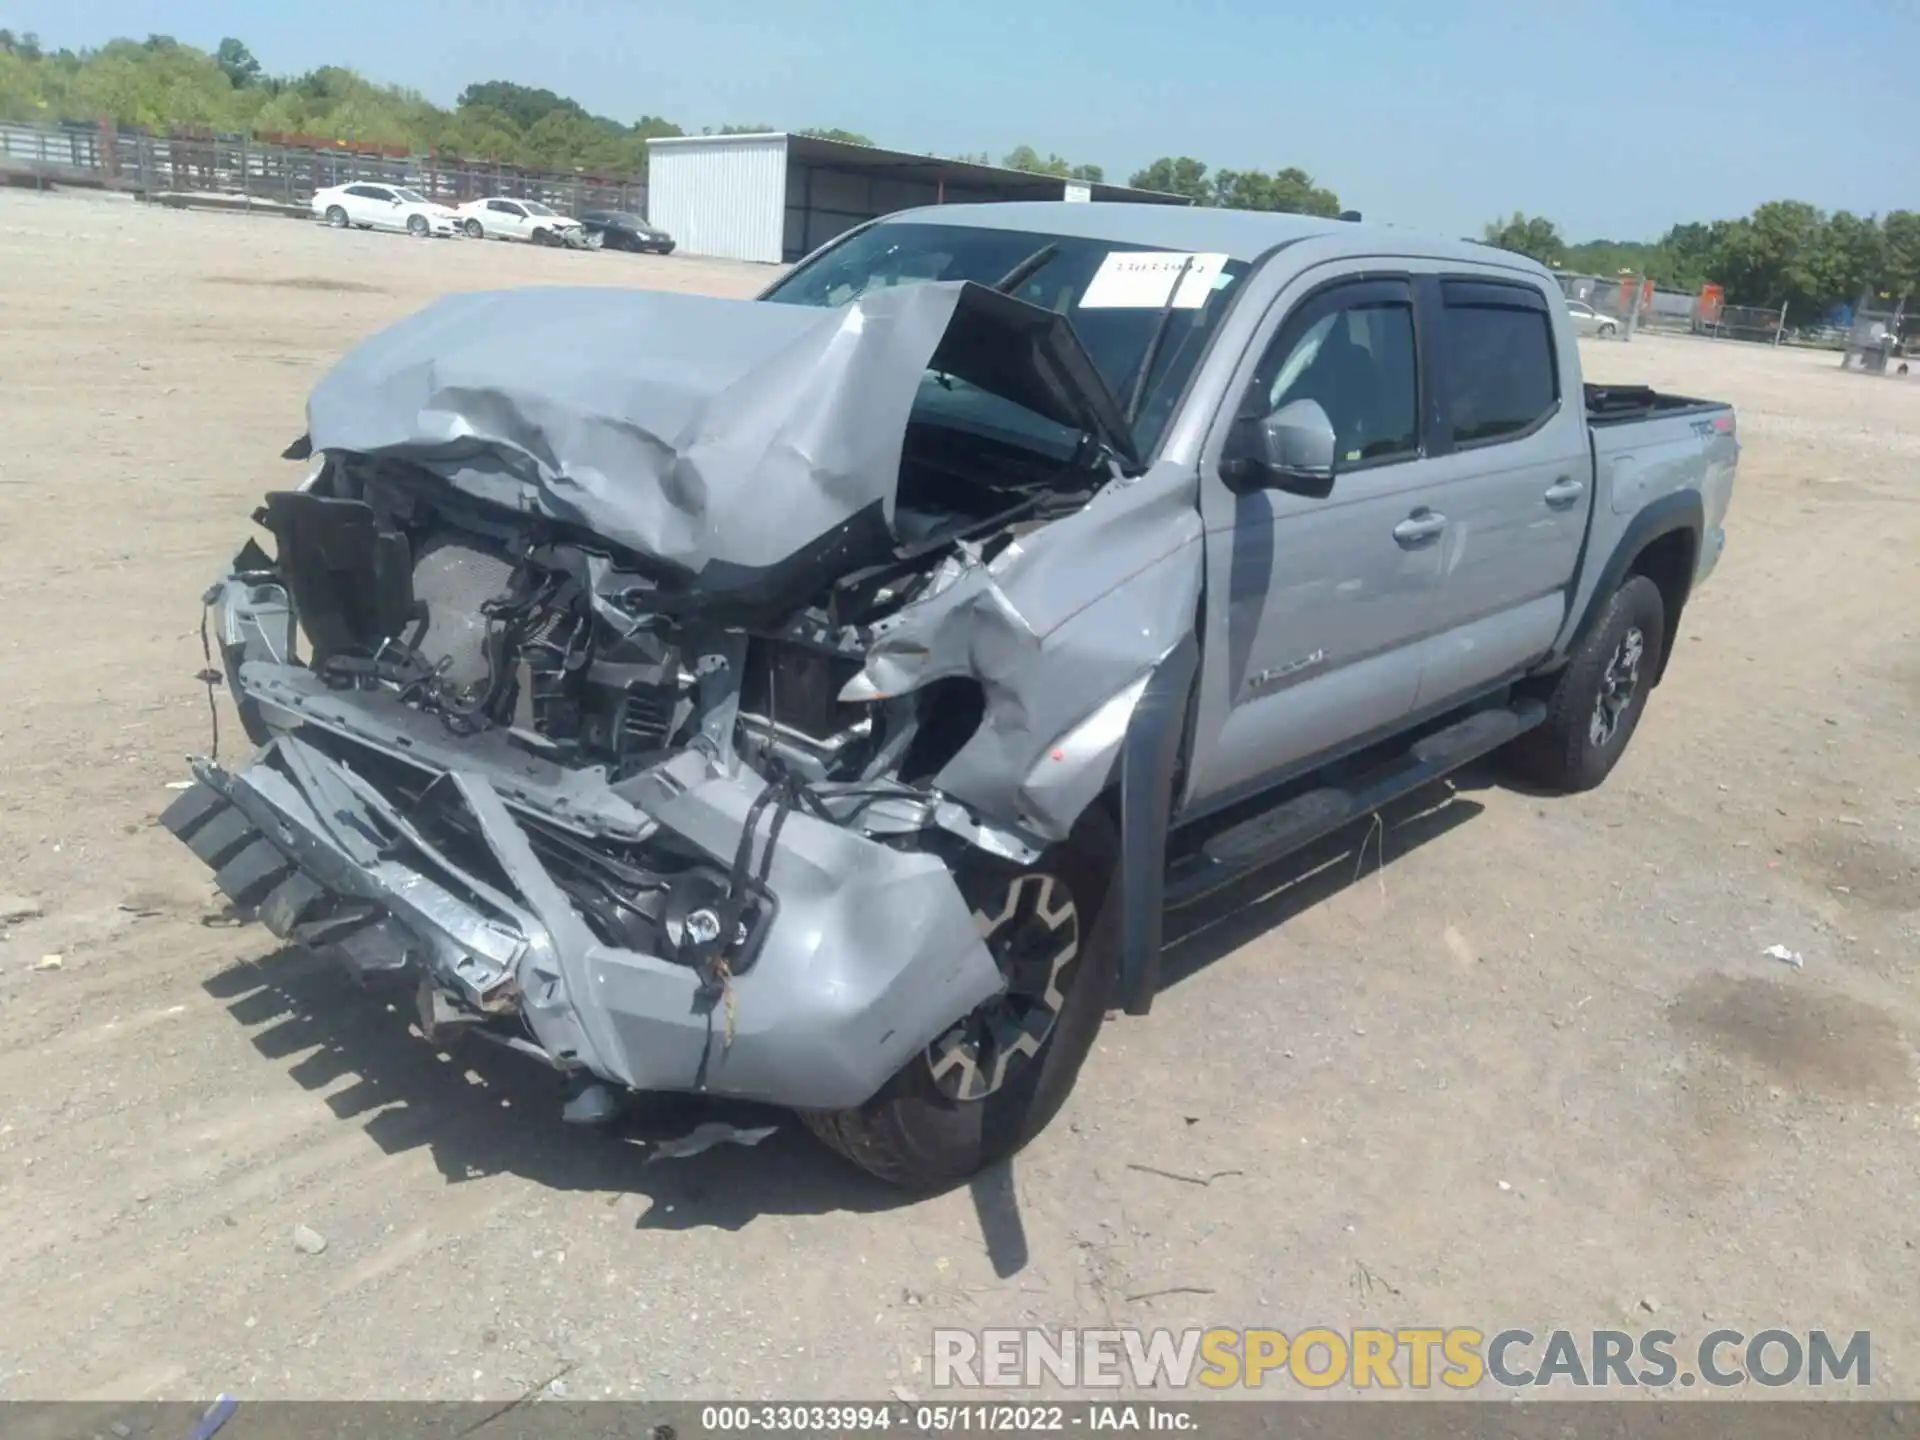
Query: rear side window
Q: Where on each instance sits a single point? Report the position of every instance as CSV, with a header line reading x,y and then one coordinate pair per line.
x,y
1500,375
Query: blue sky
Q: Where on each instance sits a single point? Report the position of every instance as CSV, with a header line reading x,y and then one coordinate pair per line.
x,y
1614,120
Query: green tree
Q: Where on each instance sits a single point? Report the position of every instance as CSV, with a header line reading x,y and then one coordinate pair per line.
x,y
522,104
1766,258
1901,232
237,61
845,137
1025,157
1531,235
1291,190
1175,176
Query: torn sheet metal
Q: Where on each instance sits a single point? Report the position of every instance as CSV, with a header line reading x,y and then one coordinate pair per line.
x,y
1061,629
703,432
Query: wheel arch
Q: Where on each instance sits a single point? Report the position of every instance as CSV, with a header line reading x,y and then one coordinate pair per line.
x,y
1662,543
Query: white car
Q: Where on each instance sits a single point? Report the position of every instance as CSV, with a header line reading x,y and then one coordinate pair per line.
x,y
383,207
1588,321
502,218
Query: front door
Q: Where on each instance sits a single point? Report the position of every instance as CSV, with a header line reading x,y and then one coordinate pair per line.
x,y
507,218
1317,607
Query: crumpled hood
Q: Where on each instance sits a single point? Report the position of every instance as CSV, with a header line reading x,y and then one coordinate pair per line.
x,y
718,436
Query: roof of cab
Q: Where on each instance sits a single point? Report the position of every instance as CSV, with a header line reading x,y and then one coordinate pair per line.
x,y
1237,234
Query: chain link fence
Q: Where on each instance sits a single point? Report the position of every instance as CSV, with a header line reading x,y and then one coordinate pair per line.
x,y
286,174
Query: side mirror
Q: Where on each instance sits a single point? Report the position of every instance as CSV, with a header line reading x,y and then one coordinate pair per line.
x,y
1292,450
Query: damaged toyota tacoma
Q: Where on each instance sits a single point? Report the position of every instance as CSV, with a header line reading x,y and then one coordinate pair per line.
x,y
820,699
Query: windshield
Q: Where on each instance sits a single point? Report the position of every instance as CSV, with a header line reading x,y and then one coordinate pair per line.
x,y
1116,335
534,207
412,197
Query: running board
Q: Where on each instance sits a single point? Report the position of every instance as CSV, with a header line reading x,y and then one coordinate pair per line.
x,y
1274,834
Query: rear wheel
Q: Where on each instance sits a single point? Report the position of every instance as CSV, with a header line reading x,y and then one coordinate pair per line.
x,y
995,1079
1597,700
475,230
336,217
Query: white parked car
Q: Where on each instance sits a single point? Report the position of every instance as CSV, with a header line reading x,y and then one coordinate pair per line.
x,y
383,207
501,218
1589,321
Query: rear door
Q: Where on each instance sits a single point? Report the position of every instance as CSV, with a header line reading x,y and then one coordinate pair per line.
x,y
1512,476
1318,607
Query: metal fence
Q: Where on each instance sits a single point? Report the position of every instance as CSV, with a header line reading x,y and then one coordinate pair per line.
x,y
1635,303
289,174
1747,322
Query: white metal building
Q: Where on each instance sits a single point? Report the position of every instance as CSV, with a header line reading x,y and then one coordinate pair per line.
x,y
776,197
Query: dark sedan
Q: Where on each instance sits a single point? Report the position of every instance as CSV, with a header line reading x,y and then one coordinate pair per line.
x,y
619,230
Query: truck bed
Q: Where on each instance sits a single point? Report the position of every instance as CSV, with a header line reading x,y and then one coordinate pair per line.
x,y
1613,404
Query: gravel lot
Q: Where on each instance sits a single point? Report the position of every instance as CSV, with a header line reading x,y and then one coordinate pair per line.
x,y
1533,1070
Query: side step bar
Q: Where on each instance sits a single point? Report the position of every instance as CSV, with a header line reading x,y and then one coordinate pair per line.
x,y
1254,844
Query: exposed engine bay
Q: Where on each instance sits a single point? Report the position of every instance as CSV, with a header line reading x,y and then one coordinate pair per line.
x,y
676,778
491,621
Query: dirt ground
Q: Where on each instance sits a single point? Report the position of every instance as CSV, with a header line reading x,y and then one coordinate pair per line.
x,y
1533,1070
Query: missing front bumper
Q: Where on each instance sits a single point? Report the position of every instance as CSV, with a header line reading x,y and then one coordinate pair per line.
x,y
871,955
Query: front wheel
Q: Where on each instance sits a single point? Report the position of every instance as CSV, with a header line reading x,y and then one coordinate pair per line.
x,y
475,230
417,226
336,217
543,236
995,1079
1597,700
1607,332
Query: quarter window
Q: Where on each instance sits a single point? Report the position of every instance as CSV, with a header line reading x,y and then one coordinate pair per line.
x,y
1500,373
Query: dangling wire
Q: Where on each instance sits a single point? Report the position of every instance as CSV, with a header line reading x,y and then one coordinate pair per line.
x,y
210,677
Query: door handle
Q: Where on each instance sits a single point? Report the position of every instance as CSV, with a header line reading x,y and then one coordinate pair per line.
x,y
1564,491
1419,527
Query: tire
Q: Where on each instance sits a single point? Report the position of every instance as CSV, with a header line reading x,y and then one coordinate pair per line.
x,y
336,217
543,236
922,1132
417,226
1607,332
475,230
1598,698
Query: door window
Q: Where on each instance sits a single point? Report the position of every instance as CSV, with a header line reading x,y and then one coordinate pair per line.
x,y
1357,360
504,207
1501,379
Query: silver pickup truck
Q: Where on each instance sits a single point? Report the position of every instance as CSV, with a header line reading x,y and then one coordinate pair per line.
x,y
820,699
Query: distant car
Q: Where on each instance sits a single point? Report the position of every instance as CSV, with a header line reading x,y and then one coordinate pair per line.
x,y
382,207
1588,321
623,230
503,218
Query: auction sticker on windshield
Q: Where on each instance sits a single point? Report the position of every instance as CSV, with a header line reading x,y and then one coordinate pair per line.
x,y
1142,279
